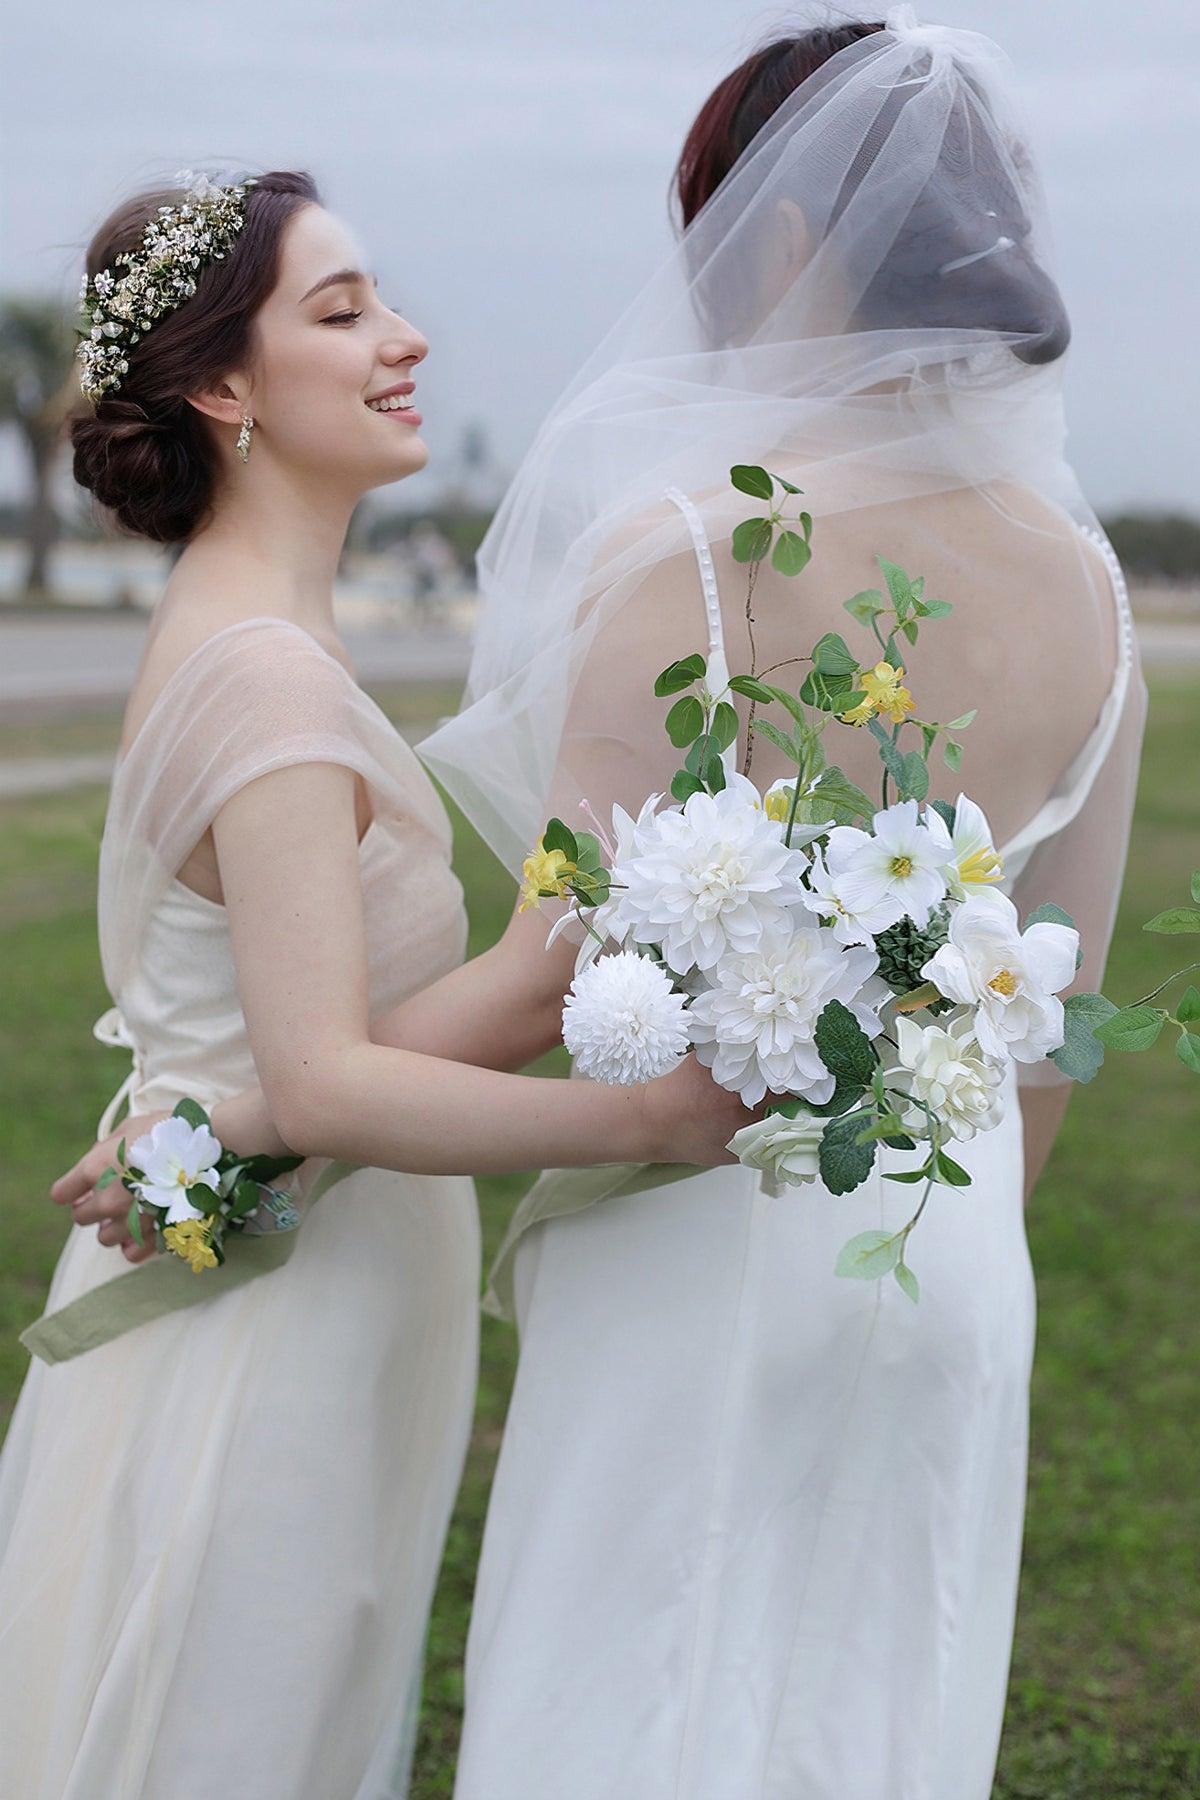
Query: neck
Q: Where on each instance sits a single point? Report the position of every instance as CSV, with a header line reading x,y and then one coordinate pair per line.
x,y
275,537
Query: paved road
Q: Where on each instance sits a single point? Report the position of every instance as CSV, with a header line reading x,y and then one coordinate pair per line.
x,y
74,658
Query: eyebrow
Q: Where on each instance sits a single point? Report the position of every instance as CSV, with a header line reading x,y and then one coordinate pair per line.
x,y
335,280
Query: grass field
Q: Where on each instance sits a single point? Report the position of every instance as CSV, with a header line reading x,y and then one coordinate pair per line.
x,y
1103,1701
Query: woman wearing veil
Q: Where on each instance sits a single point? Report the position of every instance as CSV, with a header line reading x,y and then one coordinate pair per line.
x,y
755,1531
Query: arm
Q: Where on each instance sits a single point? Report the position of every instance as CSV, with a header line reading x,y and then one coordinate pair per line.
x,y
1042,1112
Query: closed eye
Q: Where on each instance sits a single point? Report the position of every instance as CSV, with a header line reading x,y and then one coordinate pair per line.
x,y
346,318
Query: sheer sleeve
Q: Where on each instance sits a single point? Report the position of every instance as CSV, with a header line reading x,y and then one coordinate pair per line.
x,y
256,696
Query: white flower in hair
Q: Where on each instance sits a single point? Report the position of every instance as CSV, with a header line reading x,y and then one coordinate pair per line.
x,y
708,879
175,1157
944,1066
896,869
755,1028
1012,977
623,1022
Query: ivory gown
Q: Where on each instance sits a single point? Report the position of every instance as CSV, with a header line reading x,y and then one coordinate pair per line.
x,y
219,1534
755,1531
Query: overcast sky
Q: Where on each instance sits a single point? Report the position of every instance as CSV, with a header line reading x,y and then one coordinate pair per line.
x,y
506,164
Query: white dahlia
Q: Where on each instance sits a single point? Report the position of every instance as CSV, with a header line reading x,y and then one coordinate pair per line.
x,y
1012,977
707,879
944,1066
623,1022
754,1028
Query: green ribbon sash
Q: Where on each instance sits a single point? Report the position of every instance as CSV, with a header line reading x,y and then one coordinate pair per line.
x,y
163,1285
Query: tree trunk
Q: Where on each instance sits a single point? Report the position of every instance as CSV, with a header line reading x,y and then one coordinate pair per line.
x,y
42,528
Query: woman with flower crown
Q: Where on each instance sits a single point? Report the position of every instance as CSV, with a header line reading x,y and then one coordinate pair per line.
x,y
225,1489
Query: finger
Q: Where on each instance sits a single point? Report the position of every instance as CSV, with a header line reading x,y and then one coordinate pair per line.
x,y
111,1202
137,1253
75,1183
112,1232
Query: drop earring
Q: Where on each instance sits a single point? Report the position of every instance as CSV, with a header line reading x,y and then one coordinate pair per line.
x,y
243,442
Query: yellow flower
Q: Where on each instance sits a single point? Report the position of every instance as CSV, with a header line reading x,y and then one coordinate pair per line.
x,y
884,694
190,1239
546,875
777,801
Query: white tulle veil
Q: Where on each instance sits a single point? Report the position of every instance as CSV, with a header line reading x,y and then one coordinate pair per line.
x,y
865,300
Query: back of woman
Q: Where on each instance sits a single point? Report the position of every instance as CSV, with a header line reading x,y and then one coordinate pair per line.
x,y
756,1531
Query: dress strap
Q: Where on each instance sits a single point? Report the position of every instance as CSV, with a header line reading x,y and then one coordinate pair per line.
x,y
716,674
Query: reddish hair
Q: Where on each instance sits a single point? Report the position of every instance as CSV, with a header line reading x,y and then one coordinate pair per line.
x,y
738,107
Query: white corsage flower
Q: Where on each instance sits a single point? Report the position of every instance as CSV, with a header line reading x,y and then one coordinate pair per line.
x,y
897,867
786,1150
754,1028
1011,977
854,921
623,1022
944,1066
174,1157
706,880
971,864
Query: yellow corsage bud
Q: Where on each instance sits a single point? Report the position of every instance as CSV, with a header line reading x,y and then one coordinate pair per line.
x,y
546,873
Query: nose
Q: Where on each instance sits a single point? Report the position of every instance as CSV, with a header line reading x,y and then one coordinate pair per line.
x,y
405,344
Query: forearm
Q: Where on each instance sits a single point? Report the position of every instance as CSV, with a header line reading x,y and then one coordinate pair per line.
x,y
389,1108
1042,1111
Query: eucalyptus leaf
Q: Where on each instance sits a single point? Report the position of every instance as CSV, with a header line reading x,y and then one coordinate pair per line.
x,y
683,785
752,688
869,1255
685,721
751,540
558,836
1132,1028
1189,1005
680,675
1081,1052
907,1281
748,478
1188,1050
724,724
791,554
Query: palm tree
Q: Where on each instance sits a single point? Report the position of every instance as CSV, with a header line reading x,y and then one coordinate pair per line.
x,y
36,393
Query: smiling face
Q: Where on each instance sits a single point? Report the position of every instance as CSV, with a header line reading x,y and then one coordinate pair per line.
x,y
327,352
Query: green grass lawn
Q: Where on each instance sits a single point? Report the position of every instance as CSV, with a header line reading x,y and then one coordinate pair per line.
x,y
1103,1699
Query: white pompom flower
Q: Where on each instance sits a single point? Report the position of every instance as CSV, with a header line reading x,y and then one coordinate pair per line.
x,y
623,1022
706,880
944,1066
755,1027
1012,977
174,1157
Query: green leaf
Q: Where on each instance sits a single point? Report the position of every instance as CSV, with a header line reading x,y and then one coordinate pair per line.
x,y
936,609
1081,1052
843,1045
928,737
587,858
724,725
1049,914
907,1281
946,810
774,736
910,628
558,836
836,794
952,1173
962,721
121,1152
683,785
865,606
679,675
845,1163
713,774
907,1175
133,1224
788,487
899,586
752,688
916,776
748,478
844,1096
187,1109
791,555
109,1175
805,521
869,1255
1188,1050
833,656
1196,884
952,755
791,703
685,721
751,540
1132,1028
1189,1006
830,693
1176,919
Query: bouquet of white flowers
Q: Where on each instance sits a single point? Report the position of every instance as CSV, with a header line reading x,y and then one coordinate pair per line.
x,y
852,961
195,1193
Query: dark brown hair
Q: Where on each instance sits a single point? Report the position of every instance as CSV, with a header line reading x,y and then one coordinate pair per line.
x,y
906,290
144,453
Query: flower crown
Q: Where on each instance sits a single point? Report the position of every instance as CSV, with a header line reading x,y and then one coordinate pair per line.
x,y
119,307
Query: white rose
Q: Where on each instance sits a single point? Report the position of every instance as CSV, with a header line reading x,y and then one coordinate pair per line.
x,y
786,1150
945,1067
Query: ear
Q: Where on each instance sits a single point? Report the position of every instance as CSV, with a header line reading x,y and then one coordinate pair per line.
x,y
797,236
225,403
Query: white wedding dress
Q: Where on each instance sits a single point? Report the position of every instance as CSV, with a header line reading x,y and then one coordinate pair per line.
x,y
755,1531
220,1533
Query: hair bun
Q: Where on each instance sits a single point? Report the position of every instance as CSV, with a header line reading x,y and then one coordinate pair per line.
x,y
142,469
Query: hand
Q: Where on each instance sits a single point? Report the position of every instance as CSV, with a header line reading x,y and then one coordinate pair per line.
x,y
690,1119
109,1207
